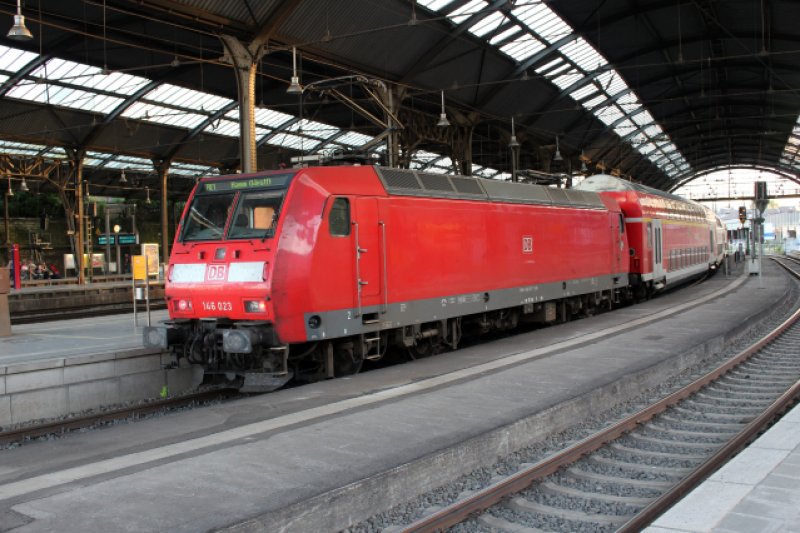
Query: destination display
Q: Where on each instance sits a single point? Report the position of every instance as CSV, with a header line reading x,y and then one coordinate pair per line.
x,y
124,238
258,182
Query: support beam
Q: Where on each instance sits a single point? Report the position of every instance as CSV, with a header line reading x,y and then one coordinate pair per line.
x,y
244,60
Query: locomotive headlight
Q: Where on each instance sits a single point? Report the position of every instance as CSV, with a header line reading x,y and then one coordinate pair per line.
x,y
255,306
237,341
182,305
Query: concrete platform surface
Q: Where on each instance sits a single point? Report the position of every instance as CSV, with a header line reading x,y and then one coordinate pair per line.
x,y
758,491
320,456
30,343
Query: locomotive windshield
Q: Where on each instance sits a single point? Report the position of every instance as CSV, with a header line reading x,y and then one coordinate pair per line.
x,y
245,208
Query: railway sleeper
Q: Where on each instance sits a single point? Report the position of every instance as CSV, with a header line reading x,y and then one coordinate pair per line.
x,y
560,490
523,505
596,477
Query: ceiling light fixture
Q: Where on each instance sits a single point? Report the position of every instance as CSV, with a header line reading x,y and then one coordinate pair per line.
x,y
122,178
557,156
23,186
443,122
19,32
294,85
147,191
10,190
513,143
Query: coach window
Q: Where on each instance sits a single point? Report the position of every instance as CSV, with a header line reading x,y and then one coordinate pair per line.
x,y
339,218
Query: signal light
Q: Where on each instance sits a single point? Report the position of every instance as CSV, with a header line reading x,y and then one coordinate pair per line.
x,y
742,214
182,305
255,306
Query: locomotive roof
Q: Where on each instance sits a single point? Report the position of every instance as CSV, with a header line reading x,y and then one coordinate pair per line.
x,y
413,183
606,182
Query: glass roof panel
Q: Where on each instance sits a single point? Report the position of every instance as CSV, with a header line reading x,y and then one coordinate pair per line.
x,y
289,140
462,13
541,19
353,138
13,59
488,23
189,169
173,95
311,128
583,54
45,93
790,151
63,72
434,5
522,47
505,34
567,80
265,117
584,91
164,115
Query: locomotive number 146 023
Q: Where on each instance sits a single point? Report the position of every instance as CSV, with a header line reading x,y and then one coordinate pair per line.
x,y
217,306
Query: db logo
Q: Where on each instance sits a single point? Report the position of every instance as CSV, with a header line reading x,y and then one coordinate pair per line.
x,y
216,272
527,245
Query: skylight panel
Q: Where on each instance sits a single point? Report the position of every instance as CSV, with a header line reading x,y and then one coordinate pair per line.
x,y
173,95
314,129
434,5
543,21
646,148
164,115
267,117
563,67
642,118
609,114
424,156
13,59
592,102
48,94
63,72
353,139
583,55
487,24
522,47
189,169
505,34
15,148
462,13
584,91
289,140
550,64
567,80
437,170
790,151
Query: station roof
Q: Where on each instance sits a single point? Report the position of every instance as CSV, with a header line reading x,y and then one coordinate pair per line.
x,y
655,91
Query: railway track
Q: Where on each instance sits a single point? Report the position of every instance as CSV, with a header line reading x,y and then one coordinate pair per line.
x,y
62,427
48,315
624,476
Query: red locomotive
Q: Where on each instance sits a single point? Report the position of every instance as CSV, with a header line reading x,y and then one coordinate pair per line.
x,y
309,272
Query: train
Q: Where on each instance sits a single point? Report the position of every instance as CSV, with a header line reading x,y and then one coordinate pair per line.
x,y
307,273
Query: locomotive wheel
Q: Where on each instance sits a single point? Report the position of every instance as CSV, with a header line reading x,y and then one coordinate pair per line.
x,y
422,348
346,361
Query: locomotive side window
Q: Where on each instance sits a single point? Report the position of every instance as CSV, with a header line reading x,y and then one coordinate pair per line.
x,y
207,217
339,218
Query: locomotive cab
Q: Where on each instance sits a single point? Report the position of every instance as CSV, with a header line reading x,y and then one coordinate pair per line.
x,y
218,286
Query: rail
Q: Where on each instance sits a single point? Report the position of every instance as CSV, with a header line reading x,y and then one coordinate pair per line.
x,y
482,500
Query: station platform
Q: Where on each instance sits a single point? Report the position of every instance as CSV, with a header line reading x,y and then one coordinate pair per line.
x,y
324,456
757,491
44,301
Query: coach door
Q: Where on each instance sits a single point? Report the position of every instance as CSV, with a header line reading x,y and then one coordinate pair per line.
x,y
370,252
658,251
